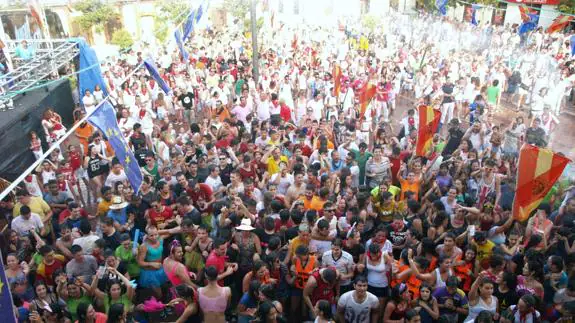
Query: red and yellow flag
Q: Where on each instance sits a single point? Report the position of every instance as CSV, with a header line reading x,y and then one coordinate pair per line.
x,y
336,80
538,170
559,23
367,93
524,11
428,123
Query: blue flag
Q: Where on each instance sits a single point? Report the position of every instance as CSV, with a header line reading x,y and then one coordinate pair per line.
x,y
441,6
529,25
153,70
572,44
188,26
473,12
183,51
104,118
199,14
90,74
6,305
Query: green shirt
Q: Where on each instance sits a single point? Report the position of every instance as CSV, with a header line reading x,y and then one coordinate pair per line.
x,y
127,256
361,161
72,304
492,94
122,300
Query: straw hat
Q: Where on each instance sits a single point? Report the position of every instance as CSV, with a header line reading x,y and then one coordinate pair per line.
x,y
118,203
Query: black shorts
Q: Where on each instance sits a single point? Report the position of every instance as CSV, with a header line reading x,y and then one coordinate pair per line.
x,y
380,292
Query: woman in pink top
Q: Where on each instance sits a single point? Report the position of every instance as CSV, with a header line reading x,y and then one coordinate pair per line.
x,y
213,299
176,271
87,314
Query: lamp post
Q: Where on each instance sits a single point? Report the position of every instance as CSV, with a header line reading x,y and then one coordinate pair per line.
x,y
255,53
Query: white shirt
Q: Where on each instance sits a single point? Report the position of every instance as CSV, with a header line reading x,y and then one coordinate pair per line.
x,y
112,178
387,246
214,183
317,108
344,264
89,103
358,312
23,226
87,243
263,108
284,182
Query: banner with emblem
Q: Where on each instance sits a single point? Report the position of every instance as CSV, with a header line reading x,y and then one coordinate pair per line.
x,y
538,170
104,118
6,306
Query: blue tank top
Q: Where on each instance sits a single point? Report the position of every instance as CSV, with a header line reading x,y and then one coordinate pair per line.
x,y
154,254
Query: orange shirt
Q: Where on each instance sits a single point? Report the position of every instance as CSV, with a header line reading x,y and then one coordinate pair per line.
x,y
225,114
314,204
462,272
83,135
407,186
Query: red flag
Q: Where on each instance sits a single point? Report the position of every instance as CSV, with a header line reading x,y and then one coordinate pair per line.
x,y
336,80
36,12
538,170
525,11
367,93
294,42
559,23
428,123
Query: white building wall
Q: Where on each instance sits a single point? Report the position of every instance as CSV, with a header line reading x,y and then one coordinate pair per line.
x,y
547,15
130,19
378,7
512,15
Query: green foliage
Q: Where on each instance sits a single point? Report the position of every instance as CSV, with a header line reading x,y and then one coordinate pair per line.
x,y
94,14
248,24
370,22
123,39
160,30
172,10
237,8
567,6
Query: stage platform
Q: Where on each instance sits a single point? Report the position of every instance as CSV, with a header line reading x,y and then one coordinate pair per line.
x,y
16,124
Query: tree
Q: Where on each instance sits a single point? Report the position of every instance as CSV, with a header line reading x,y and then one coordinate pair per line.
x,y
160,30
248,24
370,22
172,10
567,6
94,14
169,11
123,39
238,8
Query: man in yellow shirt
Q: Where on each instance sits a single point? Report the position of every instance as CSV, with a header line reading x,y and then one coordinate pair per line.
x,y
272,158
303,238
104,204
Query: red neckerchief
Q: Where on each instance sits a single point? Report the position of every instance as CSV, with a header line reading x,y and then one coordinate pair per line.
x,y
411,121
142,113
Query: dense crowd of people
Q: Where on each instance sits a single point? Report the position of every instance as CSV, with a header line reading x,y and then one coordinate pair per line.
x,y
279,200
